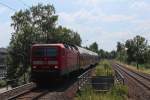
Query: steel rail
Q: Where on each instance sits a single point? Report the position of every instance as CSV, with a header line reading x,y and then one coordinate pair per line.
x,y
68,92
9,94
144,75
135,76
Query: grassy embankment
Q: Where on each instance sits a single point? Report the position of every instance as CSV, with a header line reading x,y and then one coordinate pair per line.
x,y
141,67
117,92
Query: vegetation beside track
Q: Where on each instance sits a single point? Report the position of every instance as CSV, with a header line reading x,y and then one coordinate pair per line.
x,y
2,83
133,66
117,92
104,69
135,52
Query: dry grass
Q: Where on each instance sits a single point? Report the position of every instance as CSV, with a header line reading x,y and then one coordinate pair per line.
x,y
103,69
141,69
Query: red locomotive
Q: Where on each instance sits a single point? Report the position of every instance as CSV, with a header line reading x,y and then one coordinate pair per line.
x,y
60,59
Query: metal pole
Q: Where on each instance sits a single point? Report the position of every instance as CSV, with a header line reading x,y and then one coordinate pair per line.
x,y
137,55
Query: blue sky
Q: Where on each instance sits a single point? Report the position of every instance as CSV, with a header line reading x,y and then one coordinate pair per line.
x,y
103,21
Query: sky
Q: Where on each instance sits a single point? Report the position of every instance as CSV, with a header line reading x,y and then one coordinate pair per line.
x,y
103,21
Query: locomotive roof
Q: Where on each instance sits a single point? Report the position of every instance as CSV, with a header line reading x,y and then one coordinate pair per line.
x,y
85,51
80,49
56,44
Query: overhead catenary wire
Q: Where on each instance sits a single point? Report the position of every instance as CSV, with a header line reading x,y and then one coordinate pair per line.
x,y
5,5
24,3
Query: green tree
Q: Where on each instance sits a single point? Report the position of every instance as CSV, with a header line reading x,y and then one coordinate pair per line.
x,y
147,55
68,36
94,47
121,52
34,25
101,53
113,54
120,46
137,47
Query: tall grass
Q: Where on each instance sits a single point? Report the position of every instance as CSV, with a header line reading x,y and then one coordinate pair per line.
x,y
118,92
103,69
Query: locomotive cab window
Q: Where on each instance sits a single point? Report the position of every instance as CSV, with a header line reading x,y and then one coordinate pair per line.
x,y
38,52
52,52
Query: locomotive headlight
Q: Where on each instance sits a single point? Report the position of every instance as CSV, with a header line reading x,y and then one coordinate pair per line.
x,y
55,67
34,66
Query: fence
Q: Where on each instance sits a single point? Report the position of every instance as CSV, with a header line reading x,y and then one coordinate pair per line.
x,y
3,72
98,83
119,77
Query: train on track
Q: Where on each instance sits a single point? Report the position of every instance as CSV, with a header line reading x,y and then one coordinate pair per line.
x,y
58,60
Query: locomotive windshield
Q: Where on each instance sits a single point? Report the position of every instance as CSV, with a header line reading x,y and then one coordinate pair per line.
x,y
51,52
45,52
38,52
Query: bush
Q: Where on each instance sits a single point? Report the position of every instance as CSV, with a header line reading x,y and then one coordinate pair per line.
x,y
2,83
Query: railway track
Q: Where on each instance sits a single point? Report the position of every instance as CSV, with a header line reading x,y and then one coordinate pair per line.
x,y
138,83
17,91
60,91
53,92
139,77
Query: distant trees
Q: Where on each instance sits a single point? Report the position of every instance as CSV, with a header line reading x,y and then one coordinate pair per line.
x,y
34,25
94,47
134,50
137,48
63,34
102,53
121,51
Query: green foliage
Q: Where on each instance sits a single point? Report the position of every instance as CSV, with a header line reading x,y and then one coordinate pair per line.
x,y
66,35
103,68
34,25
134,50
2,83
120,47
117,92
94,47
121,52
137,48
102,53
107,55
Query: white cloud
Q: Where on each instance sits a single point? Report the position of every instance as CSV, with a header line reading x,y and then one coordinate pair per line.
x,y
92,3
107,40
84,22
87,16
89,2
97,20
142,24
140,5
116,18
